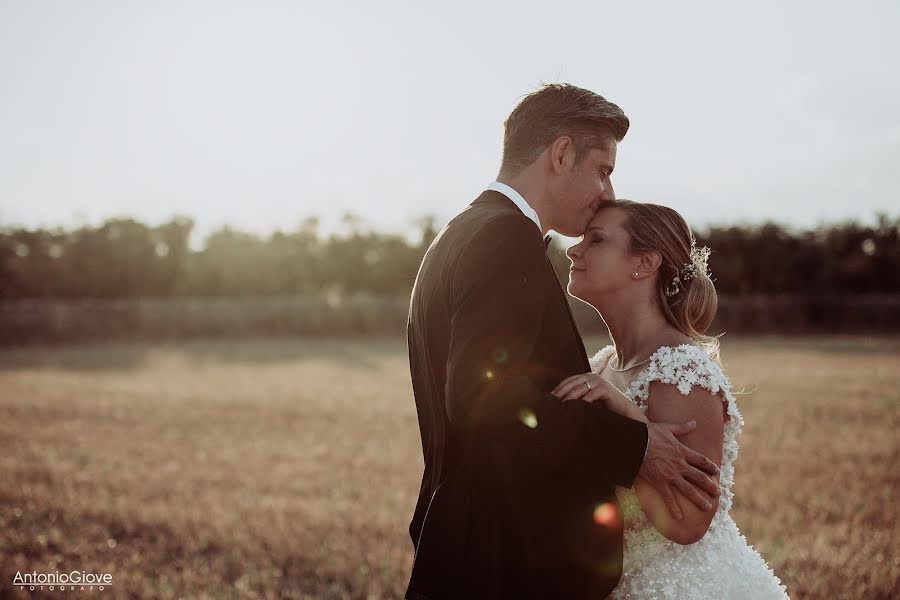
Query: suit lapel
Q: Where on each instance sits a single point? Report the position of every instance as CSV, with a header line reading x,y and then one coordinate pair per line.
x,y
491,196
561,295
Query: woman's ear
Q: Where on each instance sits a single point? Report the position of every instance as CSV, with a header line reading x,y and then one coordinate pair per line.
x,y
650,262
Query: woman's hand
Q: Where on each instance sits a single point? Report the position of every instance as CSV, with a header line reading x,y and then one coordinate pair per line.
x,y
591,387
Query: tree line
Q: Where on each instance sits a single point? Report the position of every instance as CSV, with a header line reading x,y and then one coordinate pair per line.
x,y
124,258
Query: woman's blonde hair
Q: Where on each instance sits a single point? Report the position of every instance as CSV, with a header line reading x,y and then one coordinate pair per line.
x,y
660,228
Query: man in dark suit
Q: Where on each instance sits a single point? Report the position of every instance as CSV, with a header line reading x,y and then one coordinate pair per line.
x,y
517,497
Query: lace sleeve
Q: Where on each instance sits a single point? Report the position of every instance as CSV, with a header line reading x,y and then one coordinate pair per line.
x,y
598,361
684,367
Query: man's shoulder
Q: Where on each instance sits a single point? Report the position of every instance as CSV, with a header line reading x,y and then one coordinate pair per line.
x,y
490,231
490,216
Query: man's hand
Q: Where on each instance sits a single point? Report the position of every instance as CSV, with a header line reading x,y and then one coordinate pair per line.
x,y
669,463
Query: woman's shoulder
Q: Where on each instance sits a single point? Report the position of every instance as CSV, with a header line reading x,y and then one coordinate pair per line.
x,y
685,365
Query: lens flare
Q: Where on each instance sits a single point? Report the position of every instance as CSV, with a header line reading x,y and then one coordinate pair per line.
x,y
528,418
606,515
500,355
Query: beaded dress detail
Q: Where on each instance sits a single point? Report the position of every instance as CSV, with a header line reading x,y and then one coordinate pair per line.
x,y
722,565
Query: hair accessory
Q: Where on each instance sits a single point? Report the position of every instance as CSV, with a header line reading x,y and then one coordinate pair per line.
x,y
697,265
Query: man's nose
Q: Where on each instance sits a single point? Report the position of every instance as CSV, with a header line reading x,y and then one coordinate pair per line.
x,y
608,194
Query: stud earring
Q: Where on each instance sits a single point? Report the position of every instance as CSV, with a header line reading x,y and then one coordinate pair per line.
x,y
636,274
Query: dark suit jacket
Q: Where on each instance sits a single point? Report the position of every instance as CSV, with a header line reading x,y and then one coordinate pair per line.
x,y
512,474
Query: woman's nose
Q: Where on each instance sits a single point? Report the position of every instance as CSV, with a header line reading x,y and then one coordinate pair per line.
x,y
573,252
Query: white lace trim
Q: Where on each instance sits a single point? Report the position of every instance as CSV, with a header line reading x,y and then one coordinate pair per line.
x,y
683,366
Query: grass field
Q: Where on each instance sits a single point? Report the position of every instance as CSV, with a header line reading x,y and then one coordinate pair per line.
x,y
289,468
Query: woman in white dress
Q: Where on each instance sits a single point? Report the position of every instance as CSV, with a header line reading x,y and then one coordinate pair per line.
x,y
639,267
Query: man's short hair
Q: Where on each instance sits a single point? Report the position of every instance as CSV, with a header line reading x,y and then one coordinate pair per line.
x,y
555,110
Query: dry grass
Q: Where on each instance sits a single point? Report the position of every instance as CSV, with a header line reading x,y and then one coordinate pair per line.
x,y
289,469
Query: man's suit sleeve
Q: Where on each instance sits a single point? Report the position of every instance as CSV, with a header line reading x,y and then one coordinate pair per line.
x,y
498,302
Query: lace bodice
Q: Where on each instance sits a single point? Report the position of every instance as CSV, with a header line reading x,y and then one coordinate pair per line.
x,y
722,564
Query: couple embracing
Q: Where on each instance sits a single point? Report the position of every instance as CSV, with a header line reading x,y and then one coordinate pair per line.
x,y
549,475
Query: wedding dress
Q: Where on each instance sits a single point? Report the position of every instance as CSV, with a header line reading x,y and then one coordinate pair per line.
x,y
722,565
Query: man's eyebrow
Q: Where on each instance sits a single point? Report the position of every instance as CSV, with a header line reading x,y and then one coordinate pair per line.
x,y
609,166
596,229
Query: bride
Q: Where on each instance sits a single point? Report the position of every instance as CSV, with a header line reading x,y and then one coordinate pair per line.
x,y
639,268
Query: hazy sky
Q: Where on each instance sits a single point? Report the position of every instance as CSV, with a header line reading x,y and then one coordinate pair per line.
x,y
260,114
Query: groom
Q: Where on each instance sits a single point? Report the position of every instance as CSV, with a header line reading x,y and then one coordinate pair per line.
x,y
517,497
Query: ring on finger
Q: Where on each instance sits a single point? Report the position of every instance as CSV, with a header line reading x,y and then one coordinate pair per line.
x,y
588,384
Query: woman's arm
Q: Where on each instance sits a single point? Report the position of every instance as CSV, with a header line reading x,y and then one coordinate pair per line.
x,y
594,388
668,463
669,405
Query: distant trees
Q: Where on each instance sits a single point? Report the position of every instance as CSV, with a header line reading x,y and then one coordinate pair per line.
x,y
121,258
846,258
124,258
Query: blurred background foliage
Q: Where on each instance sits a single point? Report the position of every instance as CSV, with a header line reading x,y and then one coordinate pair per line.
x,y
126,279
123,258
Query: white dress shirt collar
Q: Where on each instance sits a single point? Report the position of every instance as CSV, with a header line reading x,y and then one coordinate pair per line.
x,y
518,200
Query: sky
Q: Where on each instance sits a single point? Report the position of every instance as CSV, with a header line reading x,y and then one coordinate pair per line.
x,y
262,114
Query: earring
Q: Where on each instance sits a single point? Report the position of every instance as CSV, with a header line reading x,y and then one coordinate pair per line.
x,y
636,274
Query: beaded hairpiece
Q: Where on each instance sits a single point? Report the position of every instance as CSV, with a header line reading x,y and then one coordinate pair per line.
x,y
697,266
